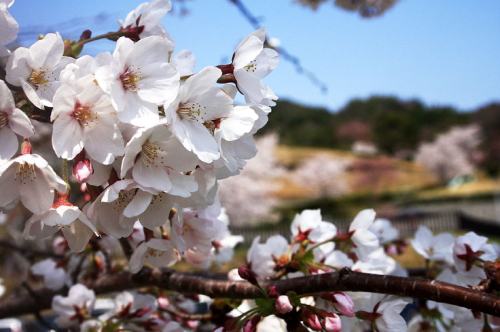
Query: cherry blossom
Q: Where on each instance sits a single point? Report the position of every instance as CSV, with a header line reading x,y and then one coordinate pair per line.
x,y
134,309
157,252
8,26
84,118
197,111
384,230
54,276
74,224
431,247
261,257
153,154
193,229
363,240
283,304
12,121
379,311
469,253
252,62
37,69
30,178
139,78
308,225
74,308
145,20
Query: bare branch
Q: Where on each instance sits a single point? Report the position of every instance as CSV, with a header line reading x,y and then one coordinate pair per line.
x,y
28,252
344,280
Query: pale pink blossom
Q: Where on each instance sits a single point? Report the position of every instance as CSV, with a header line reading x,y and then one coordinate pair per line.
x,y
155,156
332,322
145,20
157,252
12,121
8,26
470,251
193,230
252,62
192,114
139,78
54,277
84,118
382,312
82,170
283,304
432,247
363,240
37,69
261,257
384,230
69,310
74,224
340,301
30,178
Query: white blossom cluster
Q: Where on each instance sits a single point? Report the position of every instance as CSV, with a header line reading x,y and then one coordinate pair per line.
x,y
451,154
361,248
368,245
140,127
458,260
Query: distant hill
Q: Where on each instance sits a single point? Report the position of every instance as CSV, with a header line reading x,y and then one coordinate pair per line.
x,y
392,124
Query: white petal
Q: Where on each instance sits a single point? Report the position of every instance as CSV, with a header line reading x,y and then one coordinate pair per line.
x,y
9,145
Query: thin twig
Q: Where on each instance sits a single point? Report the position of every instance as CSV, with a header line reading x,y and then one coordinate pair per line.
x,y
281,50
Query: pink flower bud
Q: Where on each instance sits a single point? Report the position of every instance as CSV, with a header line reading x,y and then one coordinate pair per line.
x,y
247,274
192,324
163,301
82,170
251,324
60,245
26,146
312,320
283,304
341,302
272,292
332,322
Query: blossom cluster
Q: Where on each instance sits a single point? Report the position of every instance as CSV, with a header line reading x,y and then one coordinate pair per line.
x,y
368,245
148,138
149,141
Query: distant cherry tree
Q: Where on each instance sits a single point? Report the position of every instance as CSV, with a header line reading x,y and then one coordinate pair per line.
x,y
323,176
453,153
249,198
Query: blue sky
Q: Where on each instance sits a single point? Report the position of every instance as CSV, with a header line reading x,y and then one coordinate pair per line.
x,y
442,52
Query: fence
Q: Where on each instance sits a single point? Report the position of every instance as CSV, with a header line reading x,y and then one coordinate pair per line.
x,y
407,223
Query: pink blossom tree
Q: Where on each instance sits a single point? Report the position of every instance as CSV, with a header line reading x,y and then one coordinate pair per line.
x,y
248,198
323,176
453,153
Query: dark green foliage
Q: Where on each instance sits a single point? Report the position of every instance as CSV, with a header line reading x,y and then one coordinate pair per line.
x,y
299,125
488,117
393,124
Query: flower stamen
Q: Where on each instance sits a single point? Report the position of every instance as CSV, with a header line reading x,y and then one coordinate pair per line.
x,y
84,114
3,119
150,154
192,111
130,79
39,78
25,171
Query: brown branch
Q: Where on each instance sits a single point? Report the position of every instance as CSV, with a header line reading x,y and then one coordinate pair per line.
x,y
344,280
28,252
